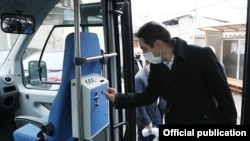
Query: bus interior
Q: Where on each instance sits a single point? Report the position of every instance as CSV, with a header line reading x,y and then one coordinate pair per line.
x,y
34,63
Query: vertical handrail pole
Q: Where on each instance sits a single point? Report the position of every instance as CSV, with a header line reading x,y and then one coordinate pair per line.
x,y
78,70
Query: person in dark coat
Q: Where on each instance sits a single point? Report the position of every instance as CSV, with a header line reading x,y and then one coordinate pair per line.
x,y
147,116
189,77
138,65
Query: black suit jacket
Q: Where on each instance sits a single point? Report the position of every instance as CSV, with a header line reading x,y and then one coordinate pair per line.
x,y
195,89
136,67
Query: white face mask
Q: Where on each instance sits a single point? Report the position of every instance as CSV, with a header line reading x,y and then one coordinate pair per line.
x,y
151,58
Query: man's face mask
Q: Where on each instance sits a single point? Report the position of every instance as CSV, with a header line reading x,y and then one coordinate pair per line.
x,y
151,58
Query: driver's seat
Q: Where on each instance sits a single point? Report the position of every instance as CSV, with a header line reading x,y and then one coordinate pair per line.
x,y
59,124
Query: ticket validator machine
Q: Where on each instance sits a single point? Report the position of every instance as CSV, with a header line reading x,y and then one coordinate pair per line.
x,y
96,105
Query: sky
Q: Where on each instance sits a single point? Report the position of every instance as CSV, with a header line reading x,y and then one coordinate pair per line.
x,y
162,10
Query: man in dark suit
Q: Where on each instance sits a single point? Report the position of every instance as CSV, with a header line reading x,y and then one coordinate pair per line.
x,y
147,116
137,61
189,77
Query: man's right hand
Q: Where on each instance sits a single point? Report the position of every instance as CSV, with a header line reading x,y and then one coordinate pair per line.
x,y
110,94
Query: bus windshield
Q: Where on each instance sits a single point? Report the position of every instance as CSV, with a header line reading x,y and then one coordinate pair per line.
x,y
6,44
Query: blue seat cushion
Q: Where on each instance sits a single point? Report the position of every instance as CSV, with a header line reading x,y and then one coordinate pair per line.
x,y
26,133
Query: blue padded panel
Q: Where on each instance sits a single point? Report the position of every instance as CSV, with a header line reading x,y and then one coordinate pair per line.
x,y
26,133
60,114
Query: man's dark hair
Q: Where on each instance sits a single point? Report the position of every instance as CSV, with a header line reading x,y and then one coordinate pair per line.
x,y
152,31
